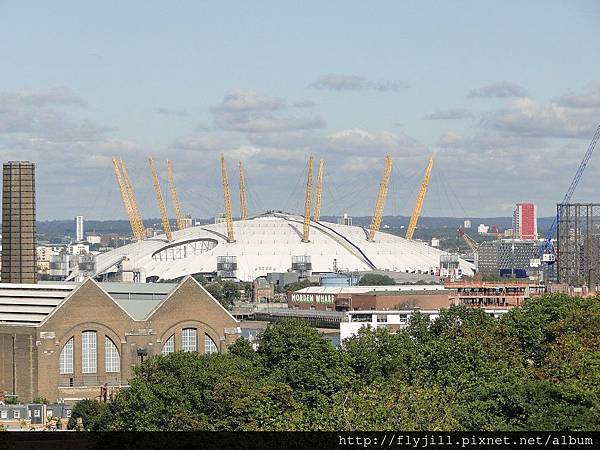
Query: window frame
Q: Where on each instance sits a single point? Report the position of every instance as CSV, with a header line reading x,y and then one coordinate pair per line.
x,y
209,343
112,356
186,340
89,352
170,342
66,366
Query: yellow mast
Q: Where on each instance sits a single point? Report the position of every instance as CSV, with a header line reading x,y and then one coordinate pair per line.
x,y
174,199
381,196
137,217
227,200
243,205
318,193
419,203
306,228
160,201
125,198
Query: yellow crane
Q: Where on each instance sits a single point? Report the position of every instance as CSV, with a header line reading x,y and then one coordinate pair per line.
x,y
472,243
137,217
227,200
160,201
317,215
381,196
178,215
243,205
306,228
125,199
412,225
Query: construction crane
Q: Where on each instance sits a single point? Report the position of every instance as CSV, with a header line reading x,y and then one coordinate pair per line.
x,y
243,205
137,217
381,196
178,215
306,228
473,245
412,225
317,215
547,249
160,201
227,200
125,198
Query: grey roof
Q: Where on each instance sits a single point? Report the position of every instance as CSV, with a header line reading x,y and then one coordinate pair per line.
x,y
30,304
138,309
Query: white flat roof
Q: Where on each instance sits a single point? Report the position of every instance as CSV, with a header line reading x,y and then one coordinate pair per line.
x,y
366,289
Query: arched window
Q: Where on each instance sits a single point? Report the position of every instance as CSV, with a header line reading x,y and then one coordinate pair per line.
x,y
189,340
66,358
209,345
88,352
112,360
169,346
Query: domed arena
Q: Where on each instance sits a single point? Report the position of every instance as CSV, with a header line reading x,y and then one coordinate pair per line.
x,y
271,242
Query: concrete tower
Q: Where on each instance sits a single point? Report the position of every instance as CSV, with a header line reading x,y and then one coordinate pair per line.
x,y
18,222
79,228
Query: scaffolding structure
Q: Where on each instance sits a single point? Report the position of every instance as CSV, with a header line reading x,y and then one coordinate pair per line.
x,y
578,244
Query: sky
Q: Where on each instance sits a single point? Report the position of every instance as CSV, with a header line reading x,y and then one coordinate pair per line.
x,y
506,95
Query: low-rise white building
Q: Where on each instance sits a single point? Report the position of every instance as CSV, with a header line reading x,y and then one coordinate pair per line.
x,y
392,320
93,239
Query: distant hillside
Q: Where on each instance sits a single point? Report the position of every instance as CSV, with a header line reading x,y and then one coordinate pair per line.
x,y
56,229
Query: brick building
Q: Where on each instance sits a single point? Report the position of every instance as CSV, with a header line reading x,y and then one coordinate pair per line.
x,y
64,341
483,294
354,298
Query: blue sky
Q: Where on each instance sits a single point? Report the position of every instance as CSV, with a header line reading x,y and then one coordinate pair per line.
x,y
507,94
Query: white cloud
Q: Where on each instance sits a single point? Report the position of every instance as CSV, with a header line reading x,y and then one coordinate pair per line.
x,y
501,89
339,82
451,114
365,142
250,112
526,117
245,101
588,99
42,97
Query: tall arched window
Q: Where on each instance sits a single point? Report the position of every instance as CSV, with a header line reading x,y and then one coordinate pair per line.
x,y
112,361
66,358
88,352
189,340
209,345
169,346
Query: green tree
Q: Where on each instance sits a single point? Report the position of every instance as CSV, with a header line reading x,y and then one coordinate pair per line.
x,y
94,415
296,286
200,279
297,354
534,324
392,405
243,349
375,279
376,354
185,391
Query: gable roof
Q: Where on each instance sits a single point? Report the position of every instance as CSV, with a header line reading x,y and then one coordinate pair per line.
x,y
183,282
33,304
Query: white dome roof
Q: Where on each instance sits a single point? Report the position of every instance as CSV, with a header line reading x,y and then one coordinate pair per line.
x,y
267,243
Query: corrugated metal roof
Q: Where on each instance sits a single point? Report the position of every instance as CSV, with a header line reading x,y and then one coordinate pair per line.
x,y
30,304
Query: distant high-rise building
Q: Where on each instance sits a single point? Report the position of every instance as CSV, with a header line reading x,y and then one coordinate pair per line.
x,y
525,221
467,224
79,228
18,222
345,220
